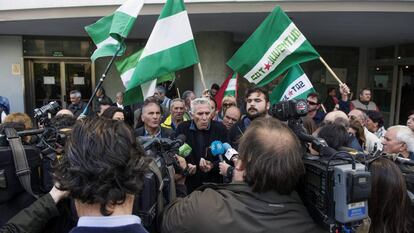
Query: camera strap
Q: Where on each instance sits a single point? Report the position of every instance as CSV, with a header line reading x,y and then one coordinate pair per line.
x,y
160,200
20,160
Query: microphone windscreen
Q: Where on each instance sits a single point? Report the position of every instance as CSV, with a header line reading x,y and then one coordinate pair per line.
x,y
226,146
216,148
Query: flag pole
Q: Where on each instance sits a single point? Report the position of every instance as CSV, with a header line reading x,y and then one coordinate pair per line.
x,y
330,70
178,93
202,76
83,114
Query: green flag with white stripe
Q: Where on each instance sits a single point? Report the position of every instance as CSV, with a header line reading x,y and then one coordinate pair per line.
x,y
170,47
275,46
126,68
108,32
295,85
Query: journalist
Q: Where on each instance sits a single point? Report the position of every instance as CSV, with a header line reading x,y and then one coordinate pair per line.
x,y
262,197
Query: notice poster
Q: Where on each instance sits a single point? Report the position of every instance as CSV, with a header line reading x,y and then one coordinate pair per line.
x,y
79,80
49,80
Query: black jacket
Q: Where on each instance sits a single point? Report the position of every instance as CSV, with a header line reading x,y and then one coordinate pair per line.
x,y
77,109
199,141
236,208
236,131
165,133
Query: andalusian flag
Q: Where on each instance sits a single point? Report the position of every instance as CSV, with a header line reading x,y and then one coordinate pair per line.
x,y
229,87
275,46
170,47
295,85
126,68
108,32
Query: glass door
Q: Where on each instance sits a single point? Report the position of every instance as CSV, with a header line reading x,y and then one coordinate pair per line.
x,y
78,77
48,83
405,95
52,80
383,89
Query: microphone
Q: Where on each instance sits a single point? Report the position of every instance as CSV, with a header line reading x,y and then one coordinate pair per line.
x,y
184,150
217,149
401,160
230,151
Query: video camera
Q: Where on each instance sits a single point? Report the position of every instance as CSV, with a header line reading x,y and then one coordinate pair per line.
x,y
335,187
41,114
159,184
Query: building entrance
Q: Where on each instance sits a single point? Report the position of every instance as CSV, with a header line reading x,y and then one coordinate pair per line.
x,y
52,80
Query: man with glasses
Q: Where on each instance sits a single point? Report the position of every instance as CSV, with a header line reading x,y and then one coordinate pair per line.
x,y
257,105
314,106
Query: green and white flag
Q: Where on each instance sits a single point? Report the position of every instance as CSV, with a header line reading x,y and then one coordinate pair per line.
x,y
126,68
170,47
108,32
275,46
295,85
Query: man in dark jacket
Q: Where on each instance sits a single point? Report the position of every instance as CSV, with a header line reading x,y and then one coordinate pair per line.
x,y
200,133
151,117
257,105
77,105
261,197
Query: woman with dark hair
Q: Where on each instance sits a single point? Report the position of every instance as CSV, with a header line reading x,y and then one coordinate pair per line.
x,y
356,129
113,113
389,203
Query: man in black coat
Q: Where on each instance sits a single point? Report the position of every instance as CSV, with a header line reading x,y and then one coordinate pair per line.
x,y
257,105
151,117
200,132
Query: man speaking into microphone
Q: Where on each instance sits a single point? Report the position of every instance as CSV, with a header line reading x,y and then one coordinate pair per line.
x,y
262,196
200,132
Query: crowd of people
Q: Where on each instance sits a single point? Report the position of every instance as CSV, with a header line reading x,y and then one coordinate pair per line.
x,y
103,165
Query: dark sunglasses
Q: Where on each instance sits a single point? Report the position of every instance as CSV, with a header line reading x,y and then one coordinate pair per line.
x,y
312,103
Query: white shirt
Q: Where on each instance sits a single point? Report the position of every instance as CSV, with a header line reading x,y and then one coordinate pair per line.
x,y
372,142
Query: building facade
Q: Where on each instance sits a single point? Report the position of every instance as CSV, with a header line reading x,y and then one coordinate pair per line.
x,y
45,52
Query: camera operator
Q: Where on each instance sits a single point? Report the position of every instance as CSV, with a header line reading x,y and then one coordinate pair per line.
x,y
200,132
261,197
151,118
257,105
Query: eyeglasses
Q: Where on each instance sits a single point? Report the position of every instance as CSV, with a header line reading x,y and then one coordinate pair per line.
x,y
228,104
312,103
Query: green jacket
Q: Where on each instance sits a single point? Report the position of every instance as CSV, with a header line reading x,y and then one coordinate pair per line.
x,y
235,208
34,218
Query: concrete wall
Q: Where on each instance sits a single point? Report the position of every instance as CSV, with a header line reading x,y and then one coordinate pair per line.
x,y
12,85
214,50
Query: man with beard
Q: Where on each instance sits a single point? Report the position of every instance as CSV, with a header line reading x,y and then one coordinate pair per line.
x,y
257,105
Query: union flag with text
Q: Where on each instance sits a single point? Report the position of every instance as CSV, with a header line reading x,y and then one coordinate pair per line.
x,y
295,85
275,46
